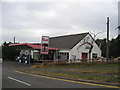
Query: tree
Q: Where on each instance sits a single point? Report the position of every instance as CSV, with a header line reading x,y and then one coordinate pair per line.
x,y
102,44
0,51
9,53
114,47
117,46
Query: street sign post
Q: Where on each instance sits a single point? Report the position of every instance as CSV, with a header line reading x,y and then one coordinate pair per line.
x,y
45,45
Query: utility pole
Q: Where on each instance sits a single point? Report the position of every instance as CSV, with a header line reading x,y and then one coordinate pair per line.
x,y
14,40
107,48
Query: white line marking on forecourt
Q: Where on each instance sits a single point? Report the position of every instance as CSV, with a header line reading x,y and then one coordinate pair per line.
x,y
19,81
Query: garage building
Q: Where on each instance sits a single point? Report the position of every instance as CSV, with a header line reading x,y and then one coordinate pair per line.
x,y
73,47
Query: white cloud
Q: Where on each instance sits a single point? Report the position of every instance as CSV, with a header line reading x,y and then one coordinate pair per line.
x,y
20,12
45,14
29,21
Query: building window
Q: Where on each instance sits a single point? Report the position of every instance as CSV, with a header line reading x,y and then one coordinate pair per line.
x,y
63,55
94,55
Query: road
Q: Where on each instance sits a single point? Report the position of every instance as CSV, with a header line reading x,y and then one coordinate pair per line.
x,y
12,79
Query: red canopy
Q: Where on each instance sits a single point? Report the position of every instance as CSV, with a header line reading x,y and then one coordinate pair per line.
x,y
32,45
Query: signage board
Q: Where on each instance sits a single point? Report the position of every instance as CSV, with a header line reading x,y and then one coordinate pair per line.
x,y
45,39
87,46
45,45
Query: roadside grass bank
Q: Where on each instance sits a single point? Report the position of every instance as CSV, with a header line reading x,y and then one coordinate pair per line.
x,y
77,65
107,73
100,78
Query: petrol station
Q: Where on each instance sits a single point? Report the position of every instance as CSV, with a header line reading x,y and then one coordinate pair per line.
x,y
36,53
70,48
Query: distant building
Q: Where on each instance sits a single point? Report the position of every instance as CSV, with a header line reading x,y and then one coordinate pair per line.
x,y
75,46
68,47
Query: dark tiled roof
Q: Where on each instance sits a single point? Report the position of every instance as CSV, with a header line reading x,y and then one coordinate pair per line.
x,y
67,41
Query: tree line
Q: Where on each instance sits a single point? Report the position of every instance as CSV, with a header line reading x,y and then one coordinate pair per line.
x,y
114,47
11,53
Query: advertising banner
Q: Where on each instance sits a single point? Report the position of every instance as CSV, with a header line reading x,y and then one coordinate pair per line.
x,y
45,45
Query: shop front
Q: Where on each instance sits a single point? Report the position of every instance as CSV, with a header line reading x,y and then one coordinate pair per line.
x,y
31,53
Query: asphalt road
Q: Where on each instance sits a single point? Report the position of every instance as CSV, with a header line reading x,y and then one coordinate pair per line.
x,y
12,79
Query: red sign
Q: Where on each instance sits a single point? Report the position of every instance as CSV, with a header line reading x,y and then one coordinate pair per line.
x,y
45,52
44,39
45,45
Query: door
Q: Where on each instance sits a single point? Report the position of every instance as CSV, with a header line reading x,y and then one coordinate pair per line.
x,y
84,56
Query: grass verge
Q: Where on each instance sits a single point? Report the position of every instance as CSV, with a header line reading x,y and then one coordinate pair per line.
x,y
101,78
96,72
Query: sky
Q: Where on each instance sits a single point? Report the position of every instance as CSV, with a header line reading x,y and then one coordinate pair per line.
x,y
29,20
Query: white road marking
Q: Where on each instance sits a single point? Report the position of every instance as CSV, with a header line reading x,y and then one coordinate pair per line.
x,y
19,81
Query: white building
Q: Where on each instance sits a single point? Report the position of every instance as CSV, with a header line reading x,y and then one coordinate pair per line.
x,y
76,46
73,47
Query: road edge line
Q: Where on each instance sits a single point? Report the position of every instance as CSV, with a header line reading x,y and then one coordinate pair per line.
x,y
88,83
19,81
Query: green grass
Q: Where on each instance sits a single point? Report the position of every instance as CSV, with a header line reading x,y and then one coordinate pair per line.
x,y
101,78
84,65
96,72
113,71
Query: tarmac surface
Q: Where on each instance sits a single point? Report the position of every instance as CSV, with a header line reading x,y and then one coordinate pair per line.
x,y
12,79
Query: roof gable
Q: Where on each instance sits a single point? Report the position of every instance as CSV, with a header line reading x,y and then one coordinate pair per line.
x,y
67,41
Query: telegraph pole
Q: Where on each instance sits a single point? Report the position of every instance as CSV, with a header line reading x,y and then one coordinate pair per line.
x,y
14,40
107,48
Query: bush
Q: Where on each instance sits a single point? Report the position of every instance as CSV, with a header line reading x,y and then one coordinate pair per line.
x,y
9,53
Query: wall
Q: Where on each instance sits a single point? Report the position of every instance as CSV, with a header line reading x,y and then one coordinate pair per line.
x,y
78,49
35,54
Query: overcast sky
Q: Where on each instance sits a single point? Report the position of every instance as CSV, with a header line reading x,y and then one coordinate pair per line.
x,y
28,21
